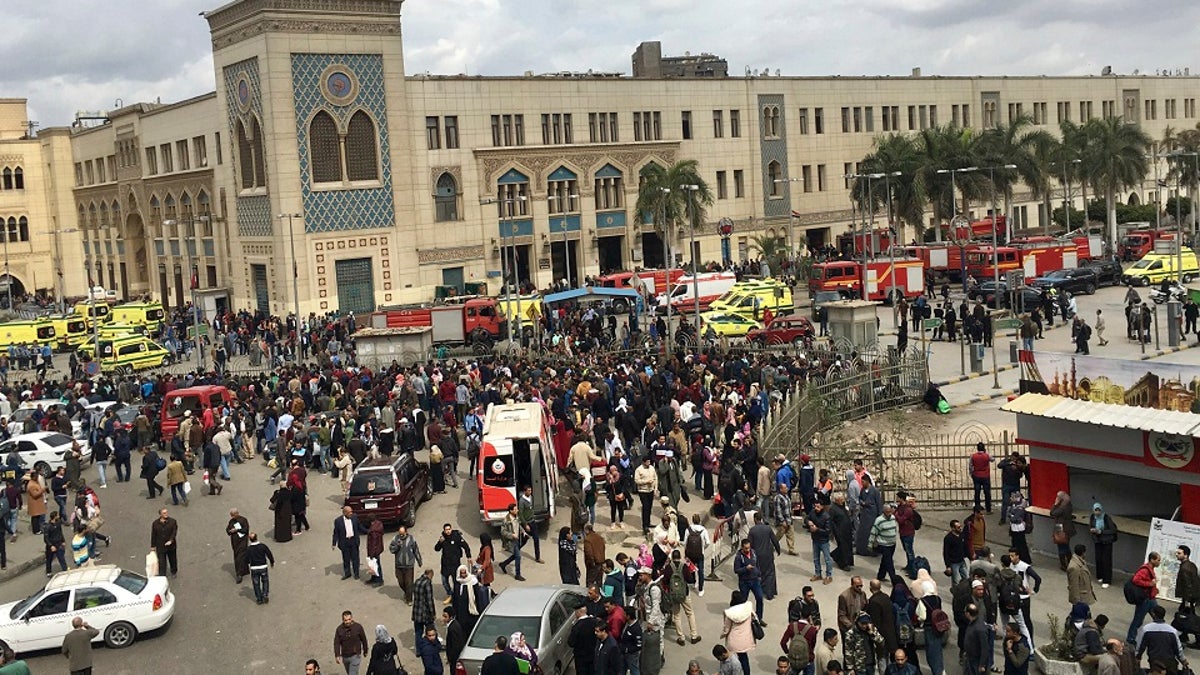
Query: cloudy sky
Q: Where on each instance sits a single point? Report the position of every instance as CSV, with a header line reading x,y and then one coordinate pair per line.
x,y
71,55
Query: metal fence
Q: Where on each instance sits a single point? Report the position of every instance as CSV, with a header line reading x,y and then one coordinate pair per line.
x,y
851,384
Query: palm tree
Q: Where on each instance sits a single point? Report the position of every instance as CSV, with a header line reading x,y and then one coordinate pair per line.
x,y
671,197
941,149
1186,167
1114,160
1020,145
893,153
771,249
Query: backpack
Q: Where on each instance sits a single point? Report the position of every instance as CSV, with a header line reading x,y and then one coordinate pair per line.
x,y
1010,595
693,547
160,464
917,520
921,563
5,509
1134,594
940,620
797,651
676,586
796,609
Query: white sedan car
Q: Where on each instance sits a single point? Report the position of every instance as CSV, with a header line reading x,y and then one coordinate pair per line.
x,y
118,603
43,451
26,410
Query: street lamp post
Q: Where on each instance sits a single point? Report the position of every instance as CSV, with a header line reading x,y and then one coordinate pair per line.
x,y
506,213
62,288
295,275
691,191
666,235
887,185
1179,154
954,211
1067,201
995,266
792,255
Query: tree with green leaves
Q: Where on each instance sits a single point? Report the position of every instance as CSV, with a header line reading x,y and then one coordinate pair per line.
x,y
893,153
1114,159
772,249
667,199
1023,146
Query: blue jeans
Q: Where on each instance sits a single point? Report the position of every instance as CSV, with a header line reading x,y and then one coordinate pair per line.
x,y
755,587
633,663
225,467
887,565
262,584
1027,344
983,488
907,543
1005,492
1139,616
515,558
177,493
12,521
60,555
933,651
102,469
819,549
62,508
958,572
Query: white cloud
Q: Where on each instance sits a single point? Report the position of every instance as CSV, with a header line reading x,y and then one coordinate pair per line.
x,y
68,55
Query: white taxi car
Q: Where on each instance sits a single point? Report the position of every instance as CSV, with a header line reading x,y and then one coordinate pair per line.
x,y
118,603
43,451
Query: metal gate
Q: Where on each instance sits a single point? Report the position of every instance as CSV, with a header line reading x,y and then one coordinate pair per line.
x,y
355,286
262,292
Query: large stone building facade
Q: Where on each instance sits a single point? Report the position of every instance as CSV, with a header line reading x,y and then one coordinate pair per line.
x,y
326,169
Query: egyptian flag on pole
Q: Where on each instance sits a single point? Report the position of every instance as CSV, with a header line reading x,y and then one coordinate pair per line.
x,y
195,282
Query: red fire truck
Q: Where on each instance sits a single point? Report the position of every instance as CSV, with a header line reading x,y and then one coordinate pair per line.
x,y
986,228
477,321
1138,243
941,259
855,243
1035,259
846,277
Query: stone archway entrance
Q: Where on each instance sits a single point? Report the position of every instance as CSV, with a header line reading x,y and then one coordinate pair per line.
x,y
138,254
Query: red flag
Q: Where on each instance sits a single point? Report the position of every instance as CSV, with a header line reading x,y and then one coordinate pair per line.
x,y
195,278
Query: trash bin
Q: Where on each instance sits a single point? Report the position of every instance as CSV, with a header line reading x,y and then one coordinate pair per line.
x,y
977,351
1174,325
1013,348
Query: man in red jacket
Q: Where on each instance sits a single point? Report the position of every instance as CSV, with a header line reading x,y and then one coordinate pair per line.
x,y
1147,582
980,465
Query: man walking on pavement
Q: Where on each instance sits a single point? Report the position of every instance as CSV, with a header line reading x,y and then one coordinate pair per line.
x,y
781,516
77,647
453,548
349,643
1100,328
512,534
163,534
422,604
238,530
1187,588
1147,583
346,537
258,560
818,529
408,556
677,575
980,466
529,523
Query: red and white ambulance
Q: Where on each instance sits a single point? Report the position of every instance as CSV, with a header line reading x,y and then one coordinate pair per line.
x,y
516,451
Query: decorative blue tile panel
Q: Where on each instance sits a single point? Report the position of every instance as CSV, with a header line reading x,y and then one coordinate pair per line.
x,y
243,99
515,228
609,171
560,224
774,149
513,176
563,173
341,85
610,219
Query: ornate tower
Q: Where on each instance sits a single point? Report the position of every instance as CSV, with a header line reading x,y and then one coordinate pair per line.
x,y
314,99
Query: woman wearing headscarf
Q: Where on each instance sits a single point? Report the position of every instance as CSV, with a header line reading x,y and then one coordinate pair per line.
x,y
518,647
904,606
1019,524
281,504
737,631
464,590
485,572
1104,533
1064,527
568,563
934,642
383,654
374,551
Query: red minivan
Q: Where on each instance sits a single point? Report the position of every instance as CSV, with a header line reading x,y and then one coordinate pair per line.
x,y
195,399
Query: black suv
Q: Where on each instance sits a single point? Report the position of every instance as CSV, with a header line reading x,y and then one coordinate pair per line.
x,y
1073,280
389,488
1108,272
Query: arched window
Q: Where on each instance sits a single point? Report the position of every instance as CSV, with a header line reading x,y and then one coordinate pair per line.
x,y
93,220
22,229
19,178
774,174
169,207
260,161
156,211
325,147
104,222
10,230
445,199
771,121
6,179
204,213
610,193
361,158
512,195
563,191
82,222
245,156
116,213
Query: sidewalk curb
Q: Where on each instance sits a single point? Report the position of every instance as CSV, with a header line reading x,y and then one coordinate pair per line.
x,y
999,393
17,569
1163,352
972,376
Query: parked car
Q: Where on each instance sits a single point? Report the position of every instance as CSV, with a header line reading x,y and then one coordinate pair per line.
x,y
986,291
1108,272
1074,280
118,603
43,451
28,408
794,328
820,299
390,489
722,324
545,614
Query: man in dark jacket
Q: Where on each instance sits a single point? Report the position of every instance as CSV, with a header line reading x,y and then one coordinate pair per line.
x,y
456,637
347,536
453,548
582,640
608,660
212,464
1187,589
1158,641
259,560
977,642
879,606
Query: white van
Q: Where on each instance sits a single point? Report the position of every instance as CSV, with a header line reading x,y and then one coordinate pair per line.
x,y
712,285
